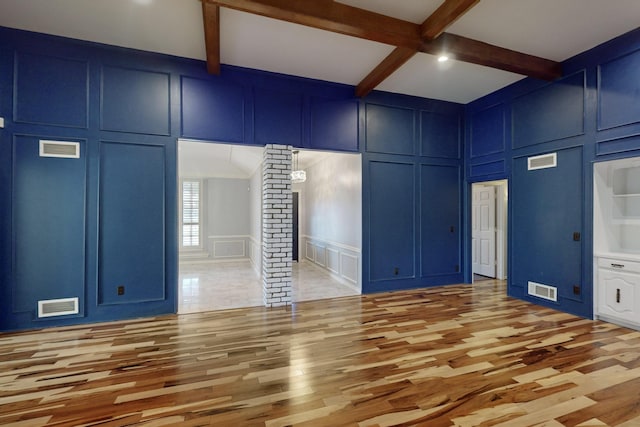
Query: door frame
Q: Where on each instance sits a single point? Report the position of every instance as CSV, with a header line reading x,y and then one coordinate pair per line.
x,y
502,227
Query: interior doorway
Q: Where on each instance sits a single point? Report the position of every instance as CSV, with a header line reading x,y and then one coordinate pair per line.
x,y
489,230
220,226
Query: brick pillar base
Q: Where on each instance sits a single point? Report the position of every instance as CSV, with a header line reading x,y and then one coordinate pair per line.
x,y
277,223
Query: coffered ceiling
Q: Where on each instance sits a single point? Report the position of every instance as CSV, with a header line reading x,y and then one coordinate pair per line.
x,y
549,31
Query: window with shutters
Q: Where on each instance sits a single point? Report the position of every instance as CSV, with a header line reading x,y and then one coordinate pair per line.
x,y
190,217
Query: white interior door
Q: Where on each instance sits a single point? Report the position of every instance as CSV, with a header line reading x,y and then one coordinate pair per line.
x,y
483,223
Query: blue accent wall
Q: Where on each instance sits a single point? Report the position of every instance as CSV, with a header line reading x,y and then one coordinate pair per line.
x,y
48,236
131,220
212,110
135,101
86,227
412,194
51,90
543,248
108,219
590,114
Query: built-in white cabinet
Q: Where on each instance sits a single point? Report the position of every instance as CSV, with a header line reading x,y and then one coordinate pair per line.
x,y
616,233
619,290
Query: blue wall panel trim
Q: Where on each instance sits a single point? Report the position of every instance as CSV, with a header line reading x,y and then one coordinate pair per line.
x,y
390,130
629,143
49,201
213,110
334,124
135,101
413,102
619,92
392,227
131,223
50,90
278,117
440,213
555,111
440,135
487,131
488,168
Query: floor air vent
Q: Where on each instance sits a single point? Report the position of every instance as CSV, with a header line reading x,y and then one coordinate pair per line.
x,y
542,162
63,149
543,291
57,307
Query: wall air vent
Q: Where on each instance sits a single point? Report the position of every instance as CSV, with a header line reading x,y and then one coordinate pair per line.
x,y
57,307
62,149
542,162
543,291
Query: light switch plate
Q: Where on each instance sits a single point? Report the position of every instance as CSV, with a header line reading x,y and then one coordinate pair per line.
x,y
1,122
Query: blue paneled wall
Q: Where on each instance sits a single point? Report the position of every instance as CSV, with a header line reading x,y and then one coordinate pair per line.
x,y
412,179
102,228
591,114
106,221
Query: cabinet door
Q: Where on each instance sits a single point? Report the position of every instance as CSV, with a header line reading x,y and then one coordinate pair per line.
x,y
619,295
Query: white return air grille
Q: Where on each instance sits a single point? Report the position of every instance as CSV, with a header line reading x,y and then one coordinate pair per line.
x,y
62,149
57,307
542,162
543,291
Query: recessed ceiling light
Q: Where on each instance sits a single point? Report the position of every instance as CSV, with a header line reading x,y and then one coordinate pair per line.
x,y
443,58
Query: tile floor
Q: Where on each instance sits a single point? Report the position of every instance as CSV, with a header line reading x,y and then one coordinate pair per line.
x,y
208,286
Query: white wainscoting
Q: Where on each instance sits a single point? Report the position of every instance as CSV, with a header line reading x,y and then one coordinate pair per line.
x,y
255,254
228,247
341,261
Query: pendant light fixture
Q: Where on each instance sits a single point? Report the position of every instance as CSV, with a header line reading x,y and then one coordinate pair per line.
x,y
297,175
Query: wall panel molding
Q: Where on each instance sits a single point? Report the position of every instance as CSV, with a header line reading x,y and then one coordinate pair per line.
x,y
135,101
132,223
49,226
341,261
390,129
51,90
619,92
487,168
440,135
488,131
212,110
229,247
550,113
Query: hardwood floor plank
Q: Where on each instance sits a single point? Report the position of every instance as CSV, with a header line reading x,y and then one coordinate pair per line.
x,y
457,355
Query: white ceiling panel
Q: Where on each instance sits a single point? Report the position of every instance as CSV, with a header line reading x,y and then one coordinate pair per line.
x,y
294,49
173,27
452,81
551,29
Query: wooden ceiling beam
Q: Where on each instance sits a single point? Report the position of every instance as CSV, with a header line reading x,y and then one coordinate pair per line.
x,y
388,66
444,16
333,16
481,53
432,27
211,17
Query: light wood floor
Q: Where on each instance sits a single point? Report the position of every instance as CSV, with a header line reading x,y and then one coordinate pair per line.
x,y
212,286
457,355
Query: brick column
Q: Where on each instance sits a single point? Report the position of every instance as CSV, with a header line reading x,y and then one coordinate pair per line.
x,y
277,223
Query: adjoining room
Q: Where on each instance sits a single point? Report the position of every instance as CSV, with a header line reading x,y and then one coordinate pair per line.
x,y
221,226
